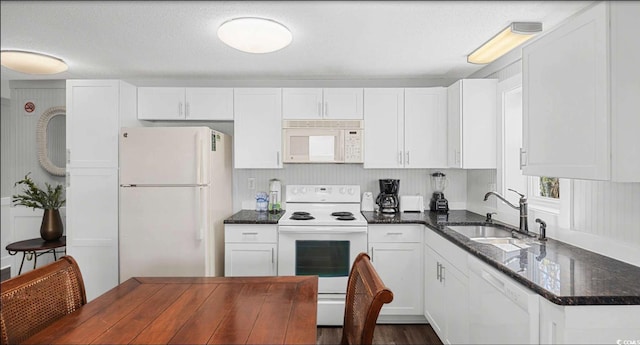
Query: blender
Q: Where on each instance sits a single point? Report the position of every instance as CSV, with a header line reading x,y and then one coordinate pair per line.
x,y
438,202
274,196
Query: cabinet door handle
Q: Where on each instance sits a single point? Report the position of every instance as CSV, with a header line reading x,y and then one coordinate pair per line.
x,y
179,109
394,233
400,157
278,158
408,158
438,271
249,234
186,109
319,109
371,254
442,271
326,108
457,156
272,256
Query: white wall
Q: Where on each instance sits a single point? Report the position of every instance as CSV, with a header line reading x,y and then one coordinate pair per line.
x,y
6,152
22,124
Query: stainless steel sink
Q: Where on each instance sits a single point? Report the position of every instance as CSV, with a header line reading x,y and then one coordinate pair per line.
x,y
502,240
480,231
498,237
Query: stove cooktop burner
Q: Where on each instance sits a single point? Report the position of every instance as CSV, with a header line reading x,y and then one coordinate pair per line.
x,y
342,214
346,218
302,216
301,213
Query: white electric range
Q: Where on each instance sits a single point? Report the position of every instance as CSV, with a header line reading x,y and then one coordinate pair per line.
x,y
321,233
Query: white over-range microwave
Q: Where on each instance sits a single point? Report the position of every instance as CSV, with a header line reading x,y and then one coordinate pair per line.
x,y
323,141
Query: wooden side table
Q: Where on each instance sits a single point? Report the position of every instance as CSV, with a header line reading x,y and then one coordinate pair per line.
x,y
35,245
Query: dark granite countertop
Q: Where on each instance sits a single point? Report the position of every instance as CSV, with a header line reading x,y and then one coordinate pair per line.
x,y
561,273
254,217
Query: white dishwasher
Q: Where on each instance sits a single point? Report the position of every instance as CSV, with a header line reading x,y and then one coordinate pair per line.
x,y
501,311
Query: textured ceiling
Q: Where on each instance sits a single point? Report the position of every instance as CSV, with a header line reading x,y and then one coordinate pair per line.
x,y
331,39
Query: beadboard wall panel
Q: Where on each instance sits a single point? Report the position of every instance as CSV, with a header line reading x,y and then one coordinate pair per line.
x,y
6,152
607,209
412,181
479,182
23,125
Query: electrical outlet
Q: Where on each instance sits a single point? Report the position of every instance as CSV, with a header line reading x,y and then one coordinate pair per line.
x,y
251,183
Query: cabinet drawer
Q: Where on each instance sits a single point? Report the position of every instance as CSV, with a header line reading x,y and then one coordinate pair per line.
x,y
396,233
455,255
250,233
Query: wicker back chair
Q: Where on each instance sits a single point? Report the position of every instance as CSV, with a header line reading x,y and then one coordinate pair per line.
x,y
366,293
33,300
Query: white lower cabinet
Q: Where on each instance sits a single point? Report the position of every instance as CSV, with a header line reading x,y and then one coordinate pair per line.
x,y
446,290
250,250
396,253
588,324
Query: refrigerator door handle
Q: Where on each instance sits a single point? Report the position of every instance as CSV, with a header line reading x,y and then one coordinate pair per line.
x,y
198,159
202,214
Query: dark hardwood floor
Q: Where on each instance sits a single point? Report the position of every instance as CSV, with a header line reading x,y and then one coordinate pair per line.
x,y
386,334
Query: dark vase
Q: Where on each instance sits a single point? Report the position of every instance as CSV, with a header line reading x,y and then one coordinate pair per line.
x,y
51,228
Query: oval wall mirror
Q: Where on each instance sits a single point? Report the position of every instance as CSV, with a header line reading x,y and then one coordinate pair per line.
x,y
49,119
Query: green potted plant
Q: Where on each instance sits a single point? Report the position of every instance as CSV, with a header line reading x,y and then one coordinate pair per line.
x,y
49,199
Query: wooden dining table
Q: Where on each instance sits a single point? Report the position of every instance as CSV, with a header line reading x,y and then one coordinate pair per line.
x,y
203,310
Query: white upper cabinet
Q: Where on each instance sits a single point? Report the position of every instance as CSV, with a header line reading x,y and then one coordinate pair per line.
x,y
580,97
317,103
471,125
93,115
405,128
425,127
257,140
383,128
178,103
209,103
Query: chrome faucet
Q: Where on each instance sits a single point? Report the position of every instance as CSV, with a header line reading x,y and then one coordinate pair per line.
x,y
524,224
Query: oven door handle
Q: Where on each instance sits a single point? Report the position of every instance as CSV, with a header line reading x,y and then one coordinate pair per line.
x,y
321,230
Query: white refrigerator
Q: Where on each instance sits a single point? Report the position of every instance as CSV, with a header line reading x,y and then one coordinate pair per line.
x,y
175,192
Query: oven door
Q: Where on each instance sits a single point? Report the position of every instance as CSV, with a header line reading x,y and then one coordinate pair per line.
x,y
325,251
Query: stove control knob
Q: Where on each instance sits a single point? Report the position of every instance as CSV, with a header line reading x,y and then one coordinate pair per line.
x,y
342,190
351,191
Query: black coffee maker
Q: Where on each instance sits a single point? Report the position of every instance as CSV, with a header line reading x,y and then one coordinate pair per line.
x,y
387,200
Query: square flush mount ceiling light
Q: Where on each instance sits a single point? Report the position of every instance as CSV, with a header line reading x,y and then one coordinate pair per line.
x,y
254,35
509,38
31,63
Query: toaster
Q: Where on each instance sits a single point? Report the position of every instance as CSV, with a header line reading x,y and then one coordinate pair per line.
x,y
411,203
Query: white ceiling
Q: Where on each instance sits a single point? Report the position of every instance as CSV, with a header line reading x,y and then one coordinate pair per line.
x,y
331,39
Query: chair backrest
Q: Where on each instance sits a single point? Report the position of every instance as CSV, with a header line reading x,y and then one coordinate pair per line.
x,y
366,293
33,300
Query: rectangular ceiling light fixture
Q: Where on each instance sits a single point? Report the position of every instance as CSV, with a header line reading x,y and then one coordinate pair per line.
x,y
509,38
